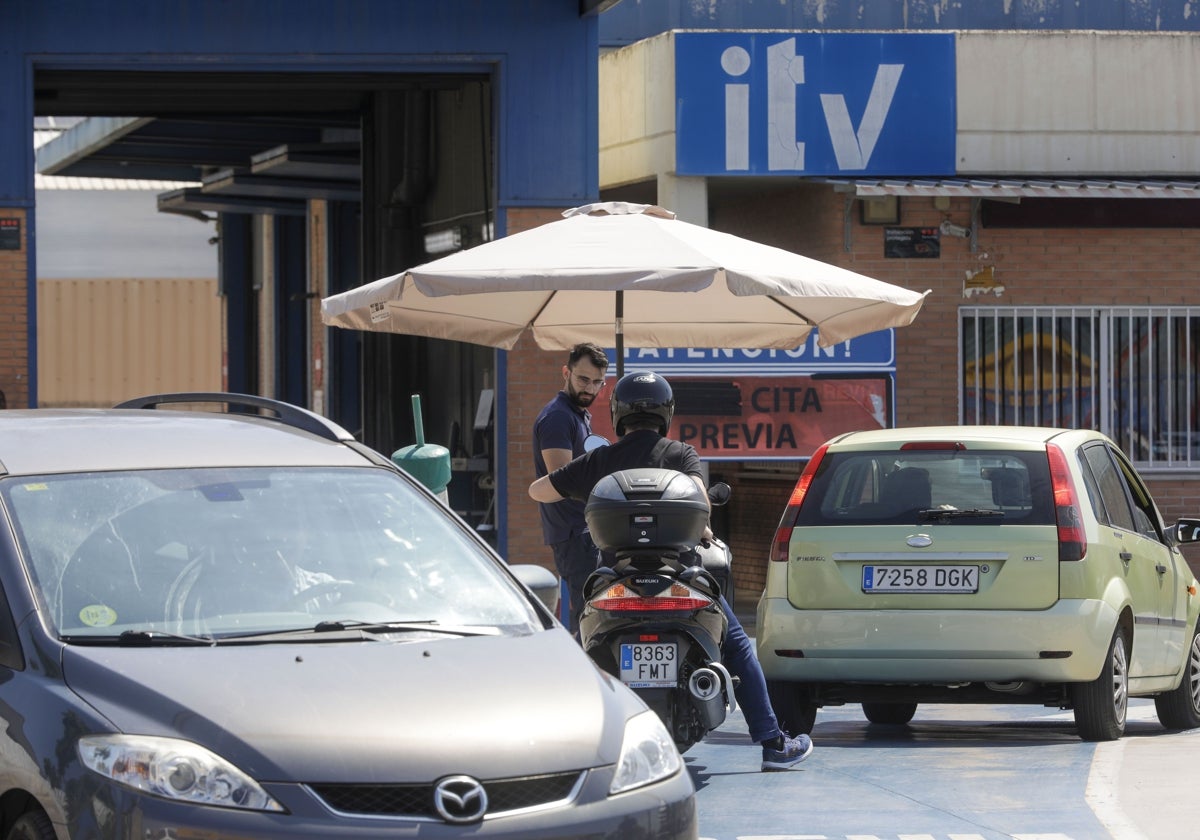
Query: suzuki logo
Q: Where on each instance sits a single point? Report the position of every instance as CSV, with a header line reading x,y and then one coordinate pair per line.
x,y
785,72
460,799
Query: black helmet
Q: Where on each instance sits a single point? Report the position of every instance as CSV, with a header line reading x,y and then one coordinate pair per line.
x,y
642,394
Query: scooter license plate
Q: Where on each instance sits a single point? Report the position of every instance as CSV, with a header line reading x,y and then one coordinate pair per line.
x,y
649,665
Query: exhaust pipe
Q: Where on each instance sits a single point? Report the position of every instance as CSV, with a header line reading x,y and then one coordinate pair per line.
x,y
706,689
704,683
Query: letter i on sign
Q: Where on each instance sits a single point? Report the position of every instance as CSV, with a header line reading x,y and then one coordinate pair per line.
x,y
736,61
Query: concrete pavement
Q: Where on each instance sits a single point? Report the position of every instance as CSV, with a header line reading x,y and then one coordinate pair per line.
x,y
1145,786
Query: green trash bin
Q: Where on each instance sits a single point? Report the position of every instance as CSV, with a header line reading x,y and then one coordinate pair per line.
x,y
428,463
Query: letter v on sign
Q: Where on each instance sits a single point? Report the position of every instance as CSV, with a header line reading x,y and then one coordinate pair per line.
x,y
853,149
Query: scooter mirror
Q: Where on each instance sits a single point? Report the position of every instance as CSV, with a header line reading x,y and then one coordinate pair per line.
x,y
594,441
719,493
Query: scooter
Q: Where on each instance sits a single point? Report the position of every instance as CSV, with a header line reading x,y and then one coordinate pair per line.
x,y
651,615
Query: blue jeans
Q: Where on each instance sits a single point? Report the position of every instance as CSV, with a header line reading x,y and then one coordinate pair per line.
x,y
574,560
740,659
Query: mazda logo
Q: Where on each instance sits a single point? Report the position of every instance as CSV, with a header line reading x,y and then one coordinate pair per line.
x,y
460,799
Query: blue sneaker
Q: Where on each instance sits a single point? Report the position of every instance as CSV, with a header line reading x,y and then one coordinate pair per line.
x,y
794,751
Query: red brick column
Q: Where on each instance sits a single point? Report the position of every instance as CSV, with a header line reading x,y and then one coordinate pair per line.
x,y
14,315
534,376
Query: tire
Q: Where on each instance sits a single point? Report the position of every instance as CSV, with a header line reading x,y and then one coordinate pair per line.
x,y
1102,704
794,714
34,825
889,714
1180,709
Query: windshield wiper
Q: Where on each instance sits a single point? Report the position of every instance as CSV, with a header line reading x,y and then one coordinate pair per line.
x,y
946,514
372,627
142,638
430,625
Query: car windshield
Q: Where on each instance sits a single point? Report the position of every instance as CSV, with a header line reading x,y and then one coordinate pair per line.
x,y
222,553
960,487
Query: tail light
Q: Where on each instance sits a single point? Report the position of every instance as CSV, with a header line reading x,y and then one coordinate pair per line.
x,y
1072,542
678,596
783,534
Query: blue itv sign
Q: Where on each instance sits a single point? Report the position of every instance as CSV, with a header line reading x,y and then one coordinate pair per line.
x,y
835,104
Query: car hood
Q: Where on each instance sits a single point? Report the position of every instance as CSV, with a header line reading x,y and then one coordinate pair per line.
x,y
368,711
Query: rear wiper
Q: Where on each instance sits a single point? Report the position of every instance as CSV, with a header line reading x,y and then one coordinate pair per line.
x,y
946,514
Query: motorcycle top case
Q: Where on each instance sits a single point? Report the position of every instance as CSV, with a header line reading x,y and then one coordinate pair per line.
x,y
645,509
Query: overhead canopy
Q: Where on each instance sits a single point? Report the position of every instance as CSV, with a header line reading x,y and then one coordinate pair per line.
x,y
249,143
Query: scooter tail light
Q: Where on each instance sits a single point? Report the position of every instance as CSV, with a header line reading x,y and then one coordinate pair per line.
x,y
619,598
783,533
1072,541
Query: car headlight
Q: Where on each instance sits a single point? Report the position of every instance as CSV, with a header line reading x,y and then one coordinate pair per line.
x,y
647,754
173,769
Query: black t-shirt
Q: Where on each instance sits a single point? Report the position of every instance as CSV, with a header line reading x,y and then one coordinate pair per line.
x,y
576,479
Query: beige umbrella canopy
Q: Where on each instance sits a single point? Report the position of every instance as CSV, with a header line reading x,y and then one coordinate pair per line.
x,y
626,274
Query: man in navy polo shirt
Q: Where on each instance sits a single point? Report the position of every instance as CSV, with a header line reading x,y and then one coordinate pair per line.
x,y
558,435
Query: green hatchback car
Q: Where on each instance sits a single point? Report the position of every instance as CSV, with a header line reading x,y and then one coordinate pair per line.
x,y
979,564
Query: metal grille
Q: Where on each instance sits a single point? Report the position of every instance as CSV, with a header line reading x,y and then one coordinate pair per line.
x,y
416,800
1128,371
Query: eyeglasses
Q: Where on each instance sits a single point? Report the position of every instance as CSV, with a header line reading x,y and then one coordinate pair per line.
x,y
584,382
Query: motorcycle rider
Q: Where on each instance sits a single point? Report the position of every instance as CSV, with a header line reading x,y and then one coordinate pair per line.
x,y
642,406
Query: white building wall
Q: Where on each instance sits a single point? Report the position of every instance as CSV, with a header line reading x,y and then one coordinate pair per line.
x,y
1052,104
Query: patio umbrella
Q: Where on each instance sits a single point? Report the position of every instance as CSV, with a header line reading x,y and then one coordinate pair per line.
x,y
616,274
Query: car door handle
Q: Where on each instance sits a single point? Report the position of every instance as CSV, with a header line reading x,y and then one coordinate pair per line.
x,y
1126,556
1160,568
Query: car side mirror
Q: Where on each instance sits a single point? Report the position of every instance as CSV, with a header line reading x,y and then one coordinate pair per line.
x,y
1187,531
539,580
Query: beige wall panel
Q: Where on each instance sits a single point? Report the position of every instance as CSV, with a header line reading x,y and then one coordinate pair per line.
x,y
637,111
103,341
1078,103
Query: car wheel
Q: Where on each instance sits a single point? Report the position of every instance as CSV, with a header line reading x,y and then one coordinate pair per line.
x,y
1180,709
892,714
32,826
794,714
1101,705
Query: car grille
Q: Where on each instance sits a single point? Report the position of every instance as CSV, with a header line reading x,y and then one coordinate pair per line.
x,y
415,801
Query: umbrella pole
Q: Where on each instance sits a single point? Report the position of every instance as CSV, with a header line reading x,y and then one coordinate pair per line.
x,y
620,333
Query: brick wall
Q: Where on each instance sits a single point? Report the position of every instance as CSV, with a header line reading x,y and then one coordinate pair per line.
x,y
14,316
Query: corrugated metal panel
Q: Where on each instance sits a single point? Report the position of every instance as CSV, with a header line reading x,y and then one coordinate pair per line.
x,y
73,182
103,341
1016,188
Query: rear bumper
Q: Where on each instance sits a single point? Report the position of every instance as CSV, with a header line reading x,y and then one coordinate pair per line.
x,y
1065,643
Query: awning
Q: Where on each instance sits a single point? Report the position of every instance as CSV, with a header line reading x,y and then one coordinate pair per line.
x,y
1010,188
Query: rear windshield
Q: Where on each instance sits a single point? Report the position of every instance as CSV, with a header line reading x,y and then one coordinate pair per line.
x,y
953,487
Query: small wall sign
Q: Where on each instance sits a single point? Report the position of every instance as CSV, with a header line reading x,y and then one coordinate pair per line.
x,y
912,243
10,234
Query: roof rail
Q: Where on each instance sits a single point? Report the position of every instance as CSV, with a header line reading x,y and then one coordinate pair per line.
x,y
291,415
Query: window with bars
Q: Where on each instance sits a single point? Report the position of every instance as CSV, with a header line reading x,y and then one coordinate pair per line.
x,y
1130,372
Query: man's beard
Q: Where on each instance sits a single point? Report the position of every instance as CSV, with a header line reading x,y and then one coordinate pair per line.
x,y
580,398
